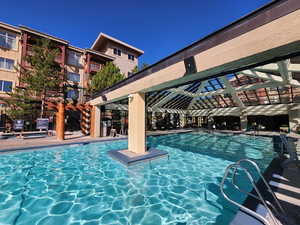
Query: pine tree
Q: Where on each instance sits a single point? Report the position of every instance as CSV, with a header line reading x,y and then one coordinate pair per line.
x,y
40,81
43,78
106,77
21,104
137,69
144,65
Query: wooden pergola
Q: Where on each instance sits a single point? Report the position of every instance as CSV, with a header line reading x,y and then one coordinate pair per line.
x,y
60,109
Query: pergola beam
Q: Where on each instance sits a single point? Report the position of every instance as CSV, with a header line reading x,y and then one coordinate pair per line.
x,y
116,106
232,92
246,87
274,67
269,77
168,97
284,71
201,86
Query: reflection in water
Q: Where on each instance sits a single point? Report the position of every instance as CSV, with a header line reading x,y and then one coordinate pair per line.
x,y
57,157
83,185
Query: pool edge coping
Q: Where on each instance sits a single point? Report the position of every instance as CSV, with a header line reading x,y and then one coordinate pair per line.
x,y
6,150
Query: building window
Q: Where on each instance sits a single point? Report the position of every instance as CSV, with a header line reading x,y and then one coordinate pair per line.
x,y
131,57
74,58
7,63
7,40
75,77
117,51
5,86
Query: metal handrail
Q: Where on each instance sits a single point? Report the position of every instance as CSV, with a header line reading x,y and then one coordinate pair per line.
x,y
247,210
269,189
253,196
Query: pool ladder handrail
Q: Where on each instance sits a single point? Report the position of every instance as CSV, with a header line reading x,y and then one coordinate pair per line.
x,y
259,196
269,189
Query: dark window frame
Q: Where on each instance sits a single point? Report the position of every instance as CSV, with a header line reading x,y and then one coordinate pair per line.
x,y
131,57
6,86
117,51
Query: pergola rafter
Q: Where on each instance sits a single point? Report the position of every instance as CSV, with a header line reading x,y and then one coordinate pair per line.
x,y
244,88
232,92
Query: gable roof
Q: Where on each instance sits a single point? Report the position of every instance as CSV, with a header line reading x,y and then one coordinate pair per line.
x,y
103,37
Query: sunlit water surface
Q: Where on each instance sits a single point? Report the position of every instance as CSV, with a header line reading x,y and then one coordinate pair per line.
x,y
81,184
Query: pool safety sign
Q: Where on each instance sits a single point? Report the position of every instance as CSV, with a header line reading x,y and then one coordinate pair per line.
x,y
18,124
42,123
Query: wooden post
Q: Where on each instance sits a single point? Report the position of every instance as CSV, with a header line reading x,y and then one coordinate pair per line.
x,y
60,122
92,123
24,48
88,63
63,56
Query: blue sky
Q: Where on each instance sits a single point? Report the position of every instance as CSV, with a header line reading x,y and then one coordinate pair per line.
x,y
159,27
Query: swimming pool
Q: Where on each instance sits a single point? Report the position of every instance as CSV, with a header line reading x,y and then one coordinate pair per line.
x,y
81,184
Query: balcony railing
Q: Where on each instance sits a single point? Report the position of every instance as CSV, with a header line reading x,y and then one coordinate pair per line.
x,y
95,67
29,51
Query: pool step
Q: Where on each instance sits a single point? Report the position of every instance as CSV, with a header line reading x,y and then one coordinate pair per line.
x,y
279,177
288,193
130,158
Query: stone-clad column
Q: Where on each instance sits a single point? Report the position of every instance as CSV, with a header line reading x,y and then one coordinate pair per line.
x,y
137,123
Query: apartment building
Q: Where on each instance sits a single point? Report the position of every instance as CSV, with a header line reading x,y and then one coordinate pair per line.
x,y
10,56
78,64
126,56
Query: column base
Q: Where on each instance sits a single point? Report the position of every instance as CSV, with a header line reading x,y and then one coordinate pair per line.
x,y
130,158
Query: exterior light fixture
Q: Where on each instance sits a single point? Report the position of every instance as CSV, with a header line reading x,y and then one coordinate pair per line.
x,y
130,97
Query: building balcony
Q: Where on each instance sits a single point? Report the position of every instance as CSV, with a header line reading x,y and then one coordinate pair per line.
x,y
95,67
58,59
29,52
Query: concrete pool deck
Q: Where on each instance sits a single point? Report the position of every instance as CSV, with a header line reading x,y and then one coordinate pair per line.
x,y
77,137
12,144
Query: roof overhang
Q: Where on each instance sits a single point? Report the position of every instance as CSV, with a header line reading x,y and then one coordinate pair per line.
x,y
41,34
103,37
73,48
9,27
266,35
100,54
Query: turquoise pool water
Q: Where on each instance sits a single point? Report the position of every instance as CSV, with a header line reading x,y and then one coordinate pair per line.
x,y
80,184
